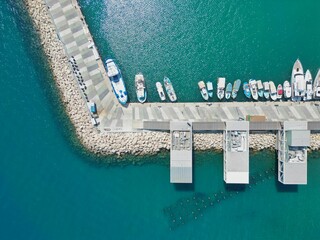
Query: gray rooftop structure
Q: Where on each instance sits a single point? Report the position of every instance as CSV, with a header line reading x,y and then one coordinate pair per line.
x,y
181,152
292,143
236,152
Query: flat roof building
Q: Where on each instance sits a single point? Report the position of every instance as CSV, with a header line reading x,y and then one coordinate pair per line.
x,y
292,143
236,152
181,152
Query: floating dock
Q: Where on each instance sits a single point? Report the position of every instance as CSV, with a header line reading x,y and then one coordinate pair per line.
x,y
292,143
236,152
181,152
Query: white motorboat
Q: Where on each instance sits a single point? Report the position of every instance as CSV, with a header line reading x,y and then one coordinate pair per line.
x,y
210,88
221,84
140,88
266,88
286,89
309,90
117,82
260,88
253,89
203,90
273,91
316,86
160,91
298,84
169,89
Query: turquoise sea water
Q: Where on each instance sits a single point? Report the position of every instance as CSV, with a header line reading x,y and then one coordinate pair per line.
x,y
50,190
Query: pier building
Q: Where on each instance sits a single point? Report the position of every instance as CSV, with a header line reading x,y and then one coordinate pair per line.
x,y
236,152
292,143
181,152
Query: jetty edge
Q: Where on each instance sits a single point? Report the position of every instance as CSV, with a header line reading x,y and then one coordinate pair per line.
x,y
118,143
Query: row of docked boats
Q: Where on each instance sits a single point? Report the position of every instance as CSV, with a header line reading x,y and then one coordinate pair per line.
x,y
301,87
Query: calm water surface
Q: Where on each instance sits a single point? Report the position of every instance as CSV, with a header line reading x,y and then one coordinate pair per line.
x,y
50,190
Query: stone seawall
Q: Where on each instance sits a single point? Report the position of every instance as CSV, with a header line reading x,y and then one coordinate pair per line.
x,y
114,143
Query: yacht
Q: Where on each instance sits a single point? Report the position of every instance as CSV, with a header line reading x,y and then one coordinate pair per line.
x,y
117,82
253,89
210,88
286,89
169,89
221,84
203,90
228,91
140,88
260,88
316,86
298,84
235,88
273,91
160,91
266,92
309,91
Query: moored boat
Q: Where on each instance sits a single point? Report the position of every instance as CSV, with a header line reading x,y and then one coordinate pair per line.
x,y
266,90
260,88
117,82
279,91
309,91
169,89
297,82
140,88
246,90
228,90
253,89
235,88
221,84
210,88
286,89
316,86
160,91
203,90
273,91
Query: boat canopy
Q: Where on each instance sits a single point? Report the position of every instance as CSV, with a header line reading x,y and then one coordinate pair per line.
x,y
300,82
201,84
209,86
221,82
259,83
266,85
112,69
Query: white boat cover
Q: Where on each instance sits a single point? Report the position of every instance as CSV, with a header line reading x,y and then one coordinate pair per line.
x,y
209,86
301,83
221,83
259,83
266,85
201,84
112,68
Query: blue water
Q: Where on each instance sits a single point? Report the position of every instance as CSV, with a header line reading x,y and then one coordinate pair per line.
x,y
49,188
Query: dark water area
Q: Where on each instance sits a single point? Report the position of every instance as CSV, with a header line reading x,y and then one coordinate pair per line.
x,y
50,189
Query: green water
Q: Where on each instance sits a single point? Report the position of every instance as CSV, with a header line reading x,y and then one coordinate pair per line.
x,y
50,190
190,40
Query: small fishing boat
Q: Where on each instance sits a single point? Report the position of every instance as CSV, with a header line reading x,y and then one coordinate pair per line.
x,y
210,88
316,86
228,90
160,91
169,89
266,92
246,90
309,91
273,91
279,91
286,89
140,88
117,82
260,88
298,84
203,90
253,89
235,88
221,84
